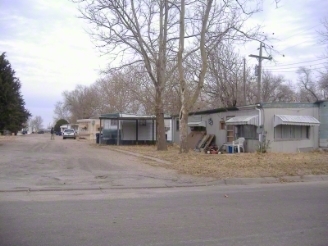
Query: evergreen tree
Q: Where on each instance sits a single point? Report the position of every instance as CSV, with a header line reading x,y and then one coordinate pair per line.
x,y
60,123
13,113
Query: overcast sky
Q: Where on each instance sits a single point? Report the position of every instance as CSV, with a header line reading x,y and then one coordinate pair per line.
x,y
50,51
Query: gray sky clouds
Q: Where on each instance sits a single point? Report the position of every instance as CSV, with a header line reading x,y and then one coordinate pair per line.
x,y
50,51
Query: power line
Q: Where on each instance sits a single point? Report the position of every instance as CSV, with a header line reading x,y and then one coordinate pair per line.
x,y
293,35
283,68
290,71
285,65
288,47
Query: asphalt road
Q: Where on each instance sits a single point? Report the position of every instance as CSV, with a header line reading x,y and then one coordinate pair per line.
x,y
273,214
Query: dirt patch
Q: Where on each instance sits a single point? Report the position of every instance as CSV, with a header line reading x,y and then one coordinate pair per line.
x,y
244,165
6,138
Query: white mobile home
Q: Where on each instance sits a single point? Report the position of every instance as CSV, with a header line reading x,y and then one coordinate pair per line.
x,y
287,127
88,128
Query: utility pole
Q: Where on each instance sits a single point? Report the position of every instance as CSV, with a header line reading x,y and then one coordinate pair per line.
x,y
244,80
259,76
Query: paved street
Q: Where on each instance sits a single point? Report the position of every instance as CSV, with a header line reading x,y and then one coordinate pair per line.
x,y
274,214
77,194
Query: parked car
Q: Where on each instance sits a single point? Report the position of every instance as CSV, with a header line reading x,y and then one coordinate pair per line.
x,y
40,132
69,133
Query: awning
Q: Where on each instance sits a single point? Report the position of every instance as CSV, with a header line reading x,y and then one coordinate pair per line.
x,y
297,120
197,123
244,120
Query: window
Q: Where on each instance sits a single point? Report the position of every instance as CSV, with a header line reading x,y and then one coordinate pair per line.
x,y
288,132
222,125
69,130
177,125
197,129
113,122
247,132
106,124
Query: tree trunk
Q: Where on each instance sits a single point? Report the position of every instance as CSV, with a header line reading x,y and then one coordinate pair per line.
x,y
183,128
160,126
183,117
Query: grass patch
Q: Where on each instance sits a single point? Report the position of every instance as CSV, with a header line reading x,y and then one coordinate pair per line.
x,y
244,165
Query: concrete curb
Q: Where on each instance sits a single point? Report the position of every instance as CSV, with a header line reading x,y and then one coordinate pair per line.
x,y
249,181
220,182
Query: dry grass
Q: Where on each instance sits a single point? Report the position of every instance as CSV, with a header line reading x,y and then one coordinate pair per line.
x,y
248,165
6,138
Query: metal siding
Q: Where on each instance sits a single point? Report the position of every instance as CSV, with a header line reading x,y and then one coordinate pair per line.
x,y
221,135
212,129
128,130
290,146
194,118
323,112
176,136
323,129
145,132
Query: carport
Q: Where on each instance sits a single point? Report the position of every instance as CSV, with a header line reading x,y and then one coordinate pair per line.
x,y
128,129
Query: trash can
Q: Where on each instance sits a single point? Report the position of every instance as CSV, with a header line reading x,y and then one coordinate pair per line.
x,y
230,149
97,137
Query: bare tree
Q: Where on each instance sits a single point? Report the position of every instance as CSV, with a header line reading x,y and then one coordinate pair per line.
x,y
309,90
205,25
275,89
61,111
36,123
116,93
142,31
324,32
323,83
82,102
323,75
224,81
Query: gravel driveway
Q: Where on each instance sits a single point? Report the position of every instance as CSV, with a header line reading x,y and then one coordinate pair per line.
x,y
36,162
